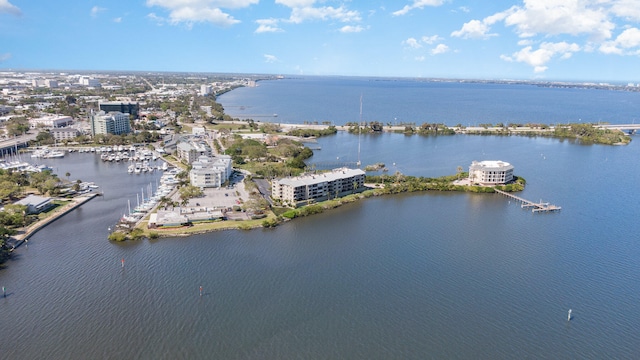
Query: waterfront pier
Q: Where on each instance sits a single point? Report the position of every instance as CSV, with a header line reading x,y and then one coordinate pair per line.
x,y
535,207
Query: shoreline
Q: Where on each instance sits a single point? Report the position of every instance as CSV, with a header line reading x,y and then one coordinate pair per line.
x,y
24,234
273,220
624,137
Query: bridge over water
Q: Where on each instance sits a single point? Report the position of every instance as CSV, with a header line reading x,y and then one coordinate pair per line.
x,y
629,128
11,146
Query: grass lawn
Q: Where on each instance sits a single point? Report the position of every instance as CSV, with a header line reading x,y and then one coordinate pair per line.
x,y
204,227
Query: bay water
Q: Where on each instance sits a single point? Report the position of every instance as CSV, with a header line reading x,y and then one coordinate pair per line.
x,y
409,276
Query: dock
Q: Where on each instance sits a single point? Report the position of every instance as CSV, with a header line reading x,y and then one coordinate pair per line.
x,y
535,207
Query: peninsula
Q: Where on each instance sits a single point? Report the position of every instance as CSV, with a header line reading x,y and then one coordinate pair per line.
x,y
177,118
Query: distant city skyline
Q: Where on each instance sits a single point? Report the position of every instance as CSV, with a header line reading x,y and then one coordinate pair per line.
x,y
554,40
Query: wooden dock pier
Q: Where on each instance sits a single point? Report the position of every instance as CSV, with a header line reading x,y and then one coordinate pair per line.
x,y
535,207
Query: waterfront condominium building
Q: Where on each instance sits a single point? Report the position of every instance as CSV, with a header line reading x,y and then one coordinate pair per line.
x,y
317,186
210,171
490,172
115,123
190,151
66,133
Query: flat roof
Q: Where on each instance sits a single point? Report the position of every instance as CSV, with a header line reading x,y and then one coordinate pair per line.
x,y
335,174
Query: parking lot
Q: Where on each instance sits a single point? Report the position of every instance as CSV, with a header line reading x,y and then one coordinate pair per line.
x,y
224,197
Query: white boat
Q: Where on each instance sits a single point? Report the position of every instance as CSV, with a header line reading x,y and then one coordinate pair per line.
x,y
131,168
54,154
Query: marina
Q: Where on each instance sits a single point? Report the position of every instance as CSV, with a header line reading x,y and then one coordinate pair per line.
x,y
418,275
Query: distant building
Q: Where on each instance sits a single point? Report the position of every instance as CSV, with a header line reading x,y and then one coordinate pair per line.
x,y
123,107
4,110
38,83
210,171
490,172
35,204
89,81
50,121
335,183
205,90
198,130
66,133
115,123
52,84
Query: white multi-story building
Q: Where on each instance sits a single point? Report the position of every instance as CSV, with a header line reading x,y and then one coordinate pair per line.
x,y
490,172
66,133
115,123
210,172
205,90
50,121
89,81
317,186
191,151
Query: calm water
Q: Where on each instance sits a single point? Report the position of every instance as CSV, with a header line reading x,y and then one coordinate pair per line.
x,y
337,100
414,276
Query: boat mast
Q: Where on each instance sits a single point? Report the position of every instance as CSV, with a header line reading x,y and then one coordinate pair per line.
x,y
359,131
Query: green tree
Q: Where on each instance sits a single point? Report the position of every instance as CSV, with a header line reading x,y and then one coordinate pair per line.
x,y
189,192
9,190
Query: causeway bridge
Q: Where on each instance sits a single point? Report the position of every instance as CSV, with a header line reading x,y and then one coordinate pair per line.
x,y
11,146
535,207
628,128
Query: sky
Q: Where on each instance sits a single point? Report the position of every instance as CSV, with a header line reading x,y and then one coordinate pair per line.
x,y
555,40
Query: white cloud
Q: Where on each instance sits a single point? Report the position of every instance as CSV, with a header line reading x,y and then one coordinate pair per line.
x,y
440,49
4,57
420,58
540,57
157,19
622,45
270,58
96,10
412,43
9,8
627,9
195,11
430,39
306,10
118,19
301,14
296,3
629,38
554,17
594,22
418,43
417,4
474,29
351,29
267,25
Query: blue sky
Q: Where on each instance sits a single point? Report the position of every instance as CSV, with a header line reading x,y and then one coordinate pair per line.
x,y
580,40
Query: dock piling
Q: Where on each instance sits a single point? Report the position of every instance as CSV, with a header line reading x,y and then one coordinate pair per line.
x,y
535,207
